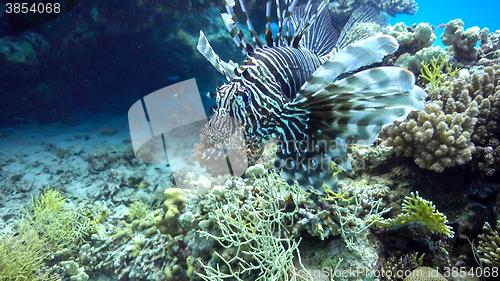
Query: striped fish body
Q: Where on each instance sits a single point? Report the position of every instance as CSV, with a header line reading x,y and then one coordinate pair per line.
x,y
266,81
298,88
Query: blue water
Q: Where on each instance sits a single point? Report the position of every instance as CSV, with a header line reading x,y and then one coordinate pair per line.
x,y
481,13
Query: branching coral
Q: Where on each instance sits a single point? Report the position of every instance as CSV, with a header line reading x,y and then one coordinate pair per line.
x,y
258,236
21,256
485,89
62,226
433,73
414,62
347,206
417,209
439,136
454,121
489,245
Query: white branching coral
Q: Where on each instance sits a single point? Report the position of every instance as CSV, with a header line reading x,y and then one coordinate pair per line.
x,y
256,234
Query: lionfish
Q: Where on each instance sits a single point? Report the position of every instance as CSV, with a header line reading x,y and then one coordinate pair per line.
x,y
300,89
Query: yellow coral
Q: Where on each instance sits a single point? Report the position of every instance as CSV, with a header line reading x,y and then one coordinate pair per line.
x,y
168,220
63,226
22,255
417,209
434,73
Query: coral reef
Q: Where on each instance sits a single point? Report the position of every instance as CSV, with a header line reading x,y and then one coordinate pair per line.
x,y
487,157
167,219
453,122
484,87
395,268
62,226
414,62
489,245
434,73
411,38
417,209
341,10
463,42
22,256
439,136
489,49
248,231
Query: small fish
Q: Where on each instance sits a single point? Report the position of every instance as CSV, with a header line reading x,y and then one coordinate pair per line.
x,y
441,26
301,90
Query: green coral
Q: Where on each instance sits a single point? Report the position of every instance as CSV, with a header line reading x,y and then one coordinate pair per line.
x,y
417,209
433,73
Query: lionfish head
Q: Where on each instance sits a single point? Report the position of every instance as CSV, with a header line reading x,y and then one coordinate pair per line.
x,y
220,135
